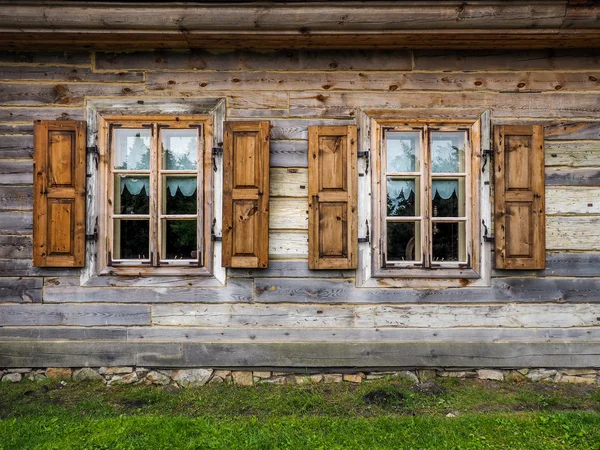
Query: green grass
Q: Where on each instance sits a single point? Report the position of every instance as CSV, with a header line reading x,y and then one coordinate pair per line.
x,y
382,414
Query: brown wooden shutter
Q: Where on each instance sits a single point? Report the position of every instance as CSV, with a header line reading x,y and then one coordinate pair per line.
x,y
519,197
246,194
59,193
332,190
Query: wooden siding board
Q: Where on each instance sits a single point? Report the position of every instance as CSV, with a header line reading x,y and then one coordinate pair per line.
x,y
563,264
572,153
47,73
288,153
62,94
298,128
18,171
15,247
298,355
562,130
272,290
572,176
24,268
70,333
58,58
16,146
21,290
16,222
29,114
16,198
77,315
573,233
288,245
290,269
572,200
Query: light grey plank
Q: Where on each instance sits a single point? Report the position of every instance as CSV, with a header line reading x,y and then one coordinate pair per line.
x,y
573,233
305,316
18,171
16,146
78,315
572,131
16,198
67,74
288,154
17,114
21,290
290,269
281,290
572,153
15,247
237,291
14,222
70,333
585,264
155,106
298,128
24,268
572,177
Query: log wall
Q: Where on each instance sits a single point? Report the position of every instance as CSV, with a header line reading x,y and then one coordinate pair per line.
x,y
287,314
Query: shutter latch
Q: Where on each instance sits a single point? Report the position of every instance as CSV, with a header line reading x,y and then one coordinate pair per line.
x,y
217,151
486,154
486,238
367,237
364,154
214,238
93,150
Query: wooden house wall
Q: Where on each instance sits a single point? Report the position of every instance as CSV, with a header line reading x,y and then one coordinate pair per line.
x,y
558,307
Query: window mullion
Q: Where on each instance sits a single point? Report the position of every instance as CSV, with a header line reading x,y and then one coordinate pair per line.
x,y
425,199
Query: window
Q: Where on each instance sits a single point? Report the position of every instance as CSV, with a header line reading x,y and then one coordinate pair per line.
x,y
426,197
155,194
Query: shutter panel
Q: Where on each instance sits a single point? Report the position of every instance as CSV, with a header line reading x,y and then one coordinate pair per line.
x,y
246,194
519,197
332,190
59,193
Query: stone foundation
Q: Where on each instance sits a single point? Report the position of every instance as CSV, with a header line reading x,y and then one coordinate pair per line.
x,y
197,377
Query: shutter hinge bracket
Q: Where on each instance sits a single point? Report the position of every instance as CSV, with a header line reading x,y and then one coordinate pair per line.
x,y
94,236
93,150
486,154
216,151
486,238
367,237
365,154
214,238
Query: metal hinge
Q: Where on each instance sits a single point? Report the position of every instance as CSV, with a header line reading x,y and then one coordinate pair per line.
x,y
486,154
486,238
216,151
93,237
367,237
93,150
214,238
364,154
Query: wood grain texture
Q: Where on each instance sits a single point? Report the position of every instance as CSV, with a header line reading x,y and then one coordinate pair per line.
x,y
503,290
288,245
47,73
289,154
290,269
58,58
15,247
16,146
298,355
298,128
18,171
25,114
572,233
289,183
572,131
288,214
572,177
21,290
59,333
16,198
76,315
563,264
62,94
573,153
572,200
249,60
24,268
16,222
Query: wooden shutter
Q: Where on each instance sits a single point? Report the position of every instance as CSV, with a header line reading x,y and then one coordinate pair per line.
x,y
246,194
332,190
59,193
519,197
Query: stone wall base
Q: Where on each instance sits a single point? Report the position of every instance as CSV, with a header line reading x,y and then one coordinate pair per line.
x,y
201,376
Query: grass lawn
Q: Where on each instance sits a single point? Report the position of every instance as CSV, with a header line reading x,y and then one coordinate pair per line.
x,y
383,414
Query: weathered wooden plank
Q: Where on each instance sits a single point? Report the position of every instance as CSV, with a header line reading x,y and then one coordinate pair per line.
x,y
572,177
312,316
16,129
289,182
67,75
15,247
338,104
159,281
77,315
298,355
288,214
273,290
154,106
237,60
350,335
24,268
562,264
17,114
18,171
572,153
290,269
63,333
573,233
62,94
288,154
16,198
14,222
572,200
268,100
21,290
495,60
373,81
255,114
572,131
298,128
237,291
62,58
288,245
16,146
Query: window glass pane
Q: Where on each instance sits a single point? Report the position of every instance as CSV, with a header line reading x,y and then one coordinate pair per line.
x,y
448,240
179,149
131,239
179,239
132,194
179,195
447,152
403,197
132,149
403,241
448,198
403,151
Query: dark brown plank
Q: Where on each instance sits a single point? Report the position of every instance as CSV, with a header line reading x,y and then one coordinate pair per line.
x,y
67,75
50,58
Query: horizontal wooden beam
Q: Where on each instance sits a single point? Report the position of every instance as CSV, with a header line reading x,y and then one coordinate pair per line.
x,y
298,354
386,24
